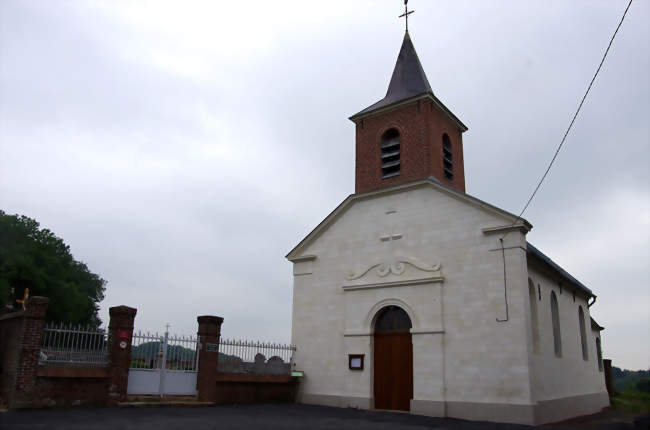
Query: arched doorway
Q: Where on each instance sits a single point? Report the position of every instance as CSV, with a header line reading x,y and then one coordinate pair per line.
x,y
393,359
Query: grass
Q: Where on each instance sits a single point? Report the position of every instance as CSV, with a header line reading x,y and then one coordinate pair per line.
x,y
631,400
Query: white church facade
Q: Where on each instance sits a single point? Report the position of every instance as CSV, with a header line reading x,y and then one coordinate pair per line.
x,y
413,295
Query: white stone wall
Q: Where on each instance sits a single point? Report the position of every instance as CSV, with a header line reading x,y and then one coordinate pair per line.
x,y
569,375
461,352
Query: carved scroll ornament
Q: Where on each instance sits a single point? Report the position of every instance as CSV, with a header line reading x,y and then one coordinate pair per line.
x,y
396,268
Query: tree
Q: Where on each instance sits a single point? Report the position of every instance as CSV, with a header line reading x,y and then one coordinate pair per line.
x,y
35,258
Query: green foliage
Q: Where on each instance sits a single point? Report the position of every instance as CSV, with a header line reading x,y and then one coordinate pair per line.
x,y
139,364
624,379
149,350
147,356
644,385
35,258
632,390
631,400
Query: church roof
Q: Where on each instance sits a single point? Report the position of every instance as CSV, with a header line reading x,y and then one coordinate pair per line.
x,y
595,325
408,78
531,251
408,83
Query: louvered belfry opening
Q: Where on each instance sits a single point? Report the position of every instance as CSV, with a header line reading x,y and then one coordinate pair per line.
x,y
390,150
447,158
409,118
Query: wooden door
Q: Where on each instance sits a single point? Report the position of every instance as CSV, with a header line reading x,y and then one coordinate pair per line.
x,y
393,362
393,370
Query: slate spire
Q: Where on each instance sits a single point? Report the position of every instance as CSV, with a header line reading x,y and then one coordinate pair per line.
x,y
408,77
408,80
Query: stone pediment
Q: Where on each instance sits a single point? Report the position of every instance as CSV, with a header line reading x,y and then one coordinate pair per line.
x,y
430,183
392,272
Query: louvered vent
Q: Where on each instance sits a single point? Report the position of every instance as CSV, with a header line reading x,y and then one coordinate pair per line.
x,y
390,149
447,158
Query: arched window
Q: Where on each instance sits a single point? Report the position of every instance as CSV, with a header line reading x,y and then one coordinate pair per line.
x,y
390,149
583,333
599,354
555,317
392,318
532,298
447,158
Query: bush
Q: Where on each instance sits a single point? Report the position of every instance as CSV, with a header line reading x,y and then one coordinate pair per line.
x,y
643,385
632,401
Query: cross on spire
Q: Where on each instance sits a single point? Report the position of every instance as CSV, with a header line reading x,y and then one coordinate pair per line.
x,y
406,14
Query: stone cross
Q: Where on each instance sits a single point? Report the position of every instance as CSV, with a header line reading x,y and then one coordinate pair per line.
x,y
392,236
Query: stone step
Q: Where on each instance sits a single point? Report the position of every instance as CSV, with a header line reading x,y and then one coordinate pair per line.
x,y
157,398
163,402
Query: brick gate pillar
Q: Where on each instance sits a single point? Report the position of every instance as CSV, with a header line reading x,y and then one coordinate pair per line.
x,y
29,350
609,380
120,333
208,334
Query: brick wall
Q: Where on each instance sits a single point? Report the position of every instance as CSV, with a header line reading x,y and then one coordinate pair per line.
x,y
208,333
246,388
29,349
609,378
119,349
421,126
70,386
235,388
26,384
11,333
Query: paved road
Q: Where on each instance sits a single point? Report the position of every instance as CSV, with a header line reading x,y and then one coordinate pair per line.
x,y
239,417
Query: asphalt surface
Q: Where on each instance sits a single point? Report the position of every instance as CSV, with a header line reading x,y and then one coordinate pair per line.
x,y
269,416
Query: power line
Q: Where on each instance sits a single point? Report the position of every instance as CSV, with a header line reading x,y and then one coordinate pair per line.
x,y
557,151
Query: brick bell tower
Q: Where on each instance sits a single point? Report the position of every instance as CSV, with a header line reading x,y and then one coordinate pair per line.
x,y
409,134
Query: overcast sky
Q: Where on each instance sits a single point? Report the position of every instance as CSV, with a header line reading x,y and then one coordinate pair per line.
x,y
183,148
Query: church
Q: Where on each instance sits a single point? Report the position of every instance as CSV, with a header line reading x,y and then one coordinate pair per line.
x,y
413,295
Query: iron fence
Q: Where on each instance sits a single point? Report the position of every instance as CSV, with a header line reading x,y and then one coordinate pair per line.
x,y
73,345
150,351
242,356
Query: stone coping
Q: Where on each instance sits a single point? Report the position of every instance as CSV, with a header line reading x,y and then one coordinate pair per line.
x,y
247,377
11,315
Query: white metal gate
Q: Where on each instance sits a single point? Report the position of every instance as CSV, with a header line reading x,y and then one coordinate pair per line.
x,y
163,364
